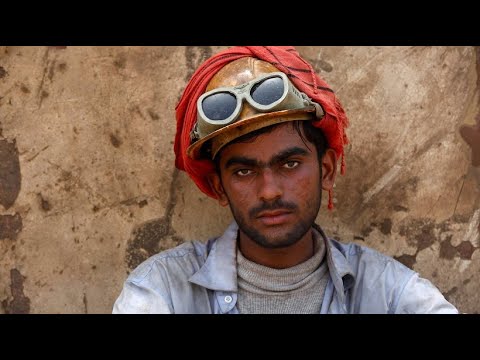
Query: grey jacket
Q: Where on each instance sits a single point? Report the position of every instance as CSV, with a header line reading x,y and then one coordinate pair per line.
x,y
201,278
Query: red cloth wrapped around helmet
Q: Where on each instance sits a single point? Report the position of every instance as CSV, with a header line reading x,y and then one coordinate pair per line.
x,y
287,60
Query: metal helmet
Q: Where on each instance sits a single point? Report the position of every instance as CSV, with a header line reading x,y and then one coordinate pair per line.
x,y
238,79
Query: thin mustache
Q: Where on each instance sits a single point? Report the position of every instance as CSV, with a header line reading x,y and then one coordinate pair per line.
x,y
276,205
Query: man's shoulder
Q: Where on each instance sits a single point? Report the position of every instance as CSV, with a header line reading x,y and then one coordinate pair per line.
x,y
187,248
182,256
357,254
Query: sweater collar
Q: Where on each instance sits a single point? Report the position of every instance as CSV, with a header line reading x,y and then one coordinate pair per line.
x,y
219,272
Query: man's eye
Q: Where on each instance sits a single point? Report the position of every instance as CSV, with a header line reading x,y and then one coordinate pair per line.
x,y
243,172
291,164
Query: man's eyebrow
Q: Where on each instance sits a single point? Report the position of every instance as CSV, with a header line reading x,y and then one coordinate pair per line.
x,y
285,154
241,160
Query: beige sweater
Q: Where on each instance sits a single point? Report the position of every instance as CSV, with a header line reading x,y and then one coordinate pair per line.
x,y
296,290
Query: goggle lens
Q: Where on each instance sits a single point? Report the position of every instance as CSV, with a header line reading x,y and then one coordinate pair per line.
x,y
219,106
268,91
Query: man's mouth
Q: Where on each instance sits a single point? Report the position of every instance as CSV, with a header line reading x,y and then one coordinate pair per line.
x,y
274,217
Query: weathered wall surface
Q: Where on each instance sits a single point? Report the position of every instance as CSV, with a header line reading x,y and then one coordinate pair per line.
x,y
88,188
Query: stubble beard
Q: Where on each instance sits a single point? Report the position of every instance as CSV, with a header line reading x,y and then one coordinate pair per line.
x,y
289,238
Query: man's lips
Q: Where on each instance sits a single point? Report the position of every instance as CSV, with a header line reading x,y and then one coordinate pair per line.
x,y
272,213
274,217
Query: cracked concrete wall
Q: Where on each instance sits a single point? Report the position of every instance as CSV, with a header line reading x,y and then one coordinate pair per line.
x,y
88,187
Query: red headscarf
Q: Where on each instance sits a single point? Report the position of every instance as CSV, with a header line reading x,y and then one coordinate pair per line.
x,y
287,60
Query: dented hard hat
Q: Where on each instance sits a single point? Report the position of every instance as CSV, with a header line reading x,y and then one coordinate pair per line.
x,y
245,95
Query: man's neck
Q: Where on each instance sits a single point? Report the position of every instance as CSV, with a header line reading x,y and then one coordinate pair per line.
x,y
277,258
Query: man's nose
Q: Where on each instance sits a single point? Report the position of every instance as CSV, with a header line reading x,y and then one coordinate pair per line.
x,y
270,187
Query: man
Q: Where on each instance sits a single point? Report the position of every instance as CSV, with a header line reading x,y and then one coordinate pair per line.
x,y
259,131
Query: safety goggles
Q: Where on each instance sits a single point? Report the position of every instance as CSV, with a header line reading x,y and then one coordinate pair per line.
x,y
268,93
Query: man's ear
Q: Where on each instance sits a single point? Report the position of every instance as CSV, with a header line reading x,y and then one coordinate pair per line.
x,y
329,169
216,185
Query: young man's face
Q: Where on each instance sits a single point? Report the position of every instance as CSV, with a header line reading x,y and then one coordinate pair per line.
x,y
273,186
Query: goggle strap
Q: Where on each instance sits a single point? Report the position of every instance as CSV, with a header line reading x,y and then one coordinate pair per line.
x,y
319,113
194,136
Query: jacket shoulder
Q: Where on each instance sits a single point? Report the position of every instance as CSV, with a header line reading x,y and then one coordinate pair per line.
x,y
186,255
355,253
160,283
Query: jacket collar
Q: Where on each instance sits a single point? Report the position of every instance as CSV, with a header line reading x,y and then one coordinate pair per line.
x,y
341,273
219,272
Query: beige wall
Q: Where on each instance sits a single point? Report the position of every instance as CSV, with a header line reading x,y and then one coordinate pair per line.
x,y
88,187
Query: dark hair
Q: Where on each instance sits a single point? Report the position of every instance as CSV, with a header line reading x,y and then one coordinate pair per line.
x,y
306,130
